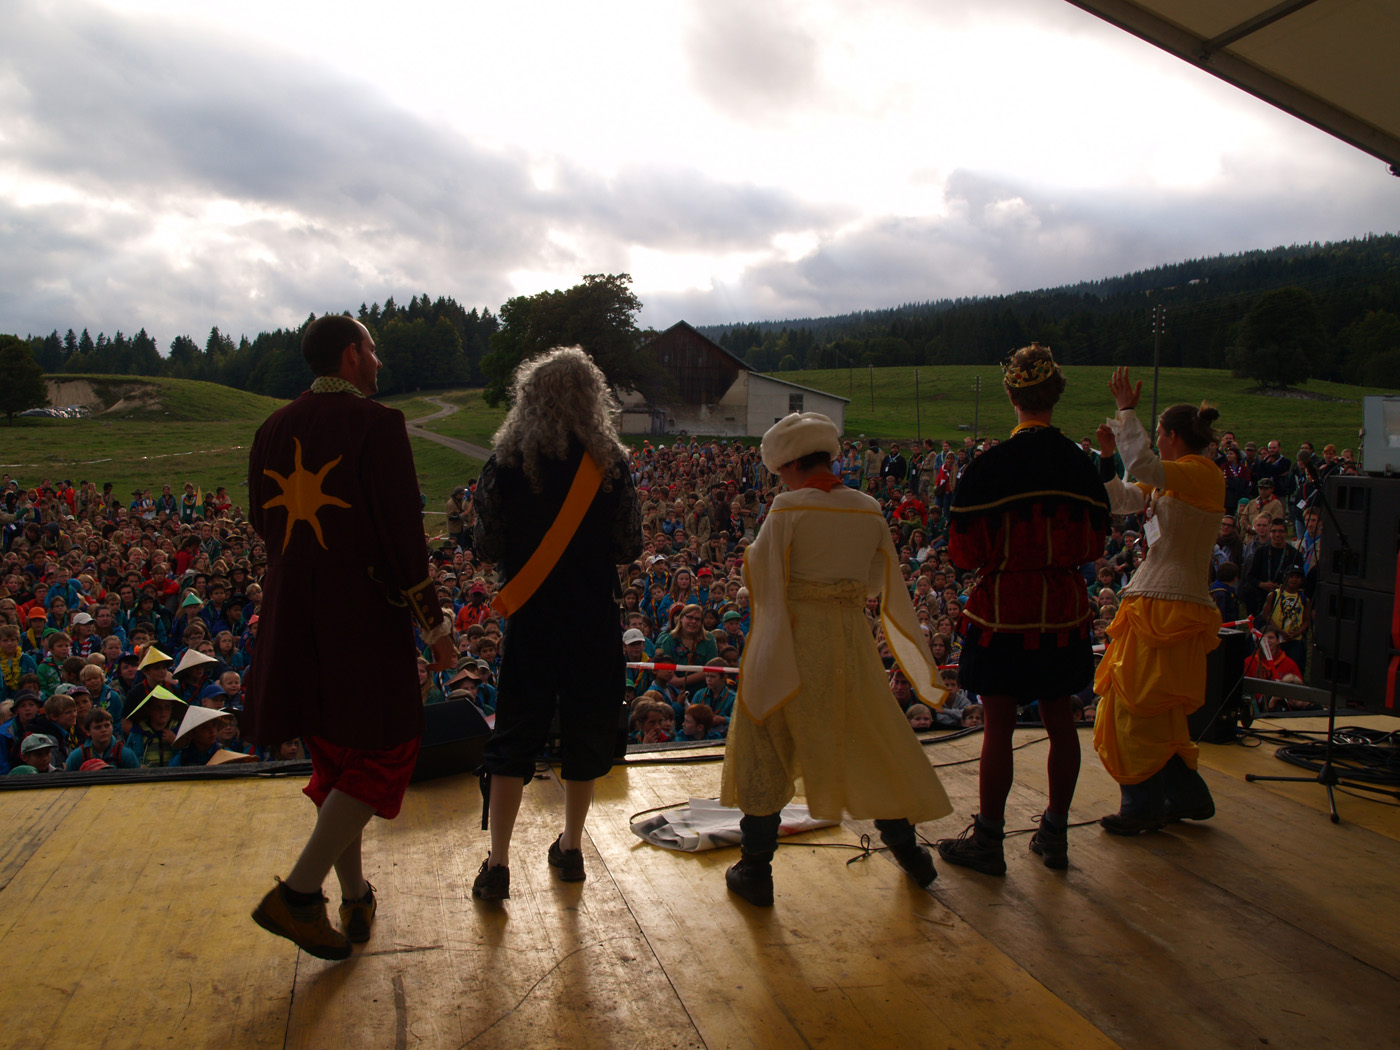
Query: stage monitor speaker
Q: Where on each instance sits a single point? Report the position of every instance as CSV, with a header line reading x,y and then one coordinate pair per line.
x,y
1363,665
454,736
1368,511
1216,720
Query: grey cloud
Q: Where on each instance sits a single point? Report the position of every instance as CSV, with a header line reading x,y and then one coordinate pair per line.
x,y
380,201
1002,236
752,61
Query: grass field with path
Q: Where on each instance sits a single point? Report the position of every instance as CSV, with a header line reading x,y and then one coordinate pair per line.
x,y
180,430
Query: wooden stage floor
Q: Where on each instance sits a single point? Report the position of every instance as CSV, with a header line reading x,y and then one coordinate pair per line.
x,y
124,923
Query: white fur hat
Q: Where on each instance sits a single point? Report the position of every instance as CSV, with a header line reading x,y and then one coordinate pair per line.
x,y
797,435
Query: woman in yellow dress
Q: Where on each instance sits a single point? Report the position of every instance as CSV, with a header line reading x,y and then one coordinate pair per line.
x,y
1153,673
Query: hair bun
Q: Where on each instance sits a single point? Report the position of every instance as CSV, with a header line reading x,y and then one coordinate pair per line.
x,y
1208,414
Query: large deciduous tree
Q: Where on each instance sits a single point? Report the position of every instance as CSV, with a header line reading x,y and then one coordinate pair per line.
x,y
21,378
598,315
1282,341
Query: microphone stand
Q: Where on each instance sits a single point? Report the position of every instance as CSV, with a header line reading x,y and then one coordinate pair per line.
x,y
1327,775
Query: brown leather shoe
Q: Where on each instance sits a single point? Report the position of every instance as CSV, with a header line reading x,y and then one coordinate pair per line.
x,y
305,925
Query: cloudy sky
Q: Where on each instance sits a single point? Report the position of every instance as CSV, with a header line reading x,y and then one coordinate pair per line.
x,y
176,165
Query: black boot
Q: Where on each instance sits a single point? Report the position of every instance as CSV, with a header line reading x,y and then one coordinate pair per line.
x,y
978,847
904,846
752,877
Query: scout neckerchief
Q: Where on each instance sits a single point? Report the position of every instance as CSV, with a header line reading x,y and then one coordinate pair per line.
x,y
524,583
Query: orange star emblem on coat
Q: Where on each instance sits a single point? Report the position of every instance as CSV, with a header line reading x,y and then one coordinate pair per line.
x,y
302,496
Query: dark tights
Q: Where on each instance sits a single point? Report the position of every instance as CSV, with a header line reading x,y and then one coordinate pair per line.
x,y
998,767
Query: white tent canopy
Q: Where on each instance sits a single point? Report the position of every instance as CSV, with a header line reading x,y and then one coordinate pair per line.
x,y
1332,63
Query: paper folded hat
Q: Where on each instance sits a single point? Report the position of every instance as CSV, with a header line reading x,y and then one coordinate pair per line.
x,y
158,693
225,757
152,655
193,658
799,434
194,718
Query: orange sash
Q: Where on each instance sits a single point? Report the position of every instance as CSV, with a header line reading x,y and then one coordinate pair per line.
x,y
523,584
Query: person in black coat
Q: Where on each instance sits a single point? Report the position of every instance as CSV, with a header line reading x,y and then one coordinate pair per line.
x,y
562,650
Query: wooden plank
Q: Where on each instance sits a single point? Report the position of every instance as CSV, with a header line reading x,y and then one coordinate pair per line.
x,y
849,955
132,919
26,819
557,964
1354,806
1198,936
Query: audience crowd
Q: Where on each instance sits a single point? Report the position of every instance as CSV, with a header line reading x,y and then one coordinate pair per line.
x,y
126,627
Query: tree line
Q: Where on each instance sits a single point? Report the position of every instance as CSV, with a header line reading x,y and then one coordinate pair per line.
x,y
1340,320
1281,316
428,343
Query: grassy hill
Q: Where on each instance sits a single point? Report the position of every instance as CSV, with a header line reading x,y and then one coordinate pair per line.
x,y
153,432
947,402
167,400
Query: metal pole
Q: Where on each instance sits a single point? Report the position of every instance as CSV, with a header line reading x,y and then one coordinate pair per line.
x,y
918,419
872,388
976,404
1159,322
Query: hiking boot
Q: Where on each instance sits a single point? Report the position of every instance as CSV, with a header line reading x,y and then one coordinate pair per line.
x,y
492,884
1203,811
751,879
978,848
568,861
357,916
1119,824
305,925
1051,845
915,860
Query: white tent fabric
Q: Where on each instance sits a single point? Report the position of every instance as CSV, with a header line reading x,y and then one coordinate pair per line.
x,y
1331,63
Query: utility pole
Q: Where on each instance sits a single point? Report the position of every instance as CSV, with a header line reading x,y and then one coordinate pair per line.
x,y
918,419
1159,325
872,389
976,403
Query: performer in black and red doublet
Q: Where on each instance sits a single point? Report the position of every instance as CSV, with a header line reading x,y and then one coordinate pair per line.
x,y
1027,514
333,493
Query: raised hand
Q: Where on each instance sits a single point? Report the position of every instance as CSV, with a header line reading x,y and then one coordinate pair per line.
x,y
1121,387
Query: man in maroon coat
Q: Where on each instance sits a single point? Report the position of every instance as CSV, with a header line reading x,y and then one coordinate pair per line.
x,y
333,493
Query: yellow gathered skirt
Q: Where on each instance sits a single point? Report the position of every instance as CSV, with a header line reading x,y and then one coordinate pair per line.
x,y
842,740
1151,677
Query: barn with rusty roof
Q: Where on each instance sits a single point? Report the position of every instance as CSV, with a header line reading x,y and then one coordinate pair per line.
x,y
714,393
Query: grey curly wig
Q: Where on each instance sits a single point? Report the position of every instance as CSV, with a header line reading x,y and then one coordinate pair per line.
x,y
558,394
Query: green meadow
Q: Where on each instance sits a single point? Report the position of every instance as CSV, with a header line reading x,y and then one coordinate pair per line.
x,y
171,431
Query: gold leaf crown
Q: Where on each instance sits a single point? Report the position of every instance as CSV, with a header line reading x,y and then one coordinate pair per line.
x,y
1019,378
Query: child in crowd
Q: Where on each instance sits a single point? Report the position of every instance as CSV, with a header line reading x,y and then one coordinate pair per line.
x,y
700,724
37,755
101,744
197,741
25,708
152,738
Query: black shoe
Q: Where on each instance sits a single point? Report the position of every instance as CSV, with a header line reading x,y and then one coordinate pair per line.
x,y
1051,845
977,848
568,861
1201,812
915,860
752,880
492,884
1118,824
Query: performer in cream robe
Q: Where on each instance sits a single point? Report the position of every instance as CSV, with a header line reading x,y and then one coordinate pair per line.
x,y
815,715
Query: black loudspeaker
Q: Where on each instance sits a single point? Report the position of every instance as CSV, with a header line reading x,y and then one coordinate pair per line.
x,y
1368,511
454,736
1216,720
1363,665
